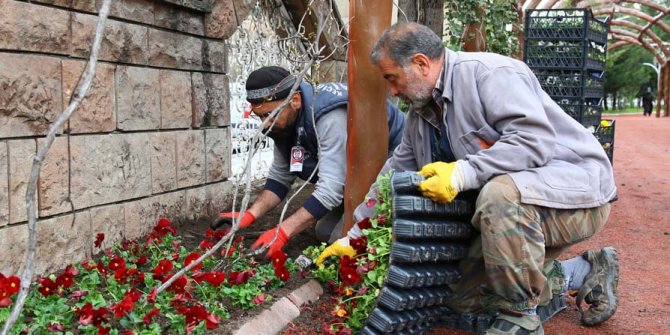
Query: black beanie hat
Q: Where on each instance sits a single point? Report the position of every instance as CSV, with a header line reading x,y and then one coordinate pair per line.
x,y
269,83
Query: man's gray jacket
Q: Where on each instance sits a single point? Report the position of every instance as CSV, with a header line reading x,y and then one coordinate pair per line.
x,y
500,121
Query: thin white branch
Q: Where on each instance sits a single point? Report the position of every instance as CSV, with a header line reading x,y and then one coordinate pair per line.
x,y
80,93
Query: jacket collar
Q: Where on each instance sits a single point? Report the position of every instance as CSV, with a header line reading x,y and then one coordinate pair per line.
x,y
447,73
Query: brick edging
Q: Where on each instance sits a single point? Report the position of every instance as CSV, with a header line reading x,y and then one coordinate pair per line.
x,y
272,320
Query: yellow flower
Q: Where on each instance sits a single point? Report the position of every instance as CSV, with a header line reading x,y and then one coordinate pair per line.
x,y
341,312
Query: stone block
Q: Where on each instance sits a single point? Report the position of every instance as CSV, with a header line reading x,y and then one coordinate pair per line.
x,y
21,154
139,218
176,106
190,158
132,10
60,241
122,42
163,162
219,195
207,201
214,57
109,220
170,205
221,22
53,186
109,168
63,240
31,94
176,18
243,8
4,186
199,5
97,111
24,26
173,50
306,294
137,98
211,95
218,154
82,5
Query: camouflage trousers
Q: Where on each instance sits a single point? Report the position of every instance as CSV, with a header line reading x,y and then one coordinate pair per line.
x,y
511,264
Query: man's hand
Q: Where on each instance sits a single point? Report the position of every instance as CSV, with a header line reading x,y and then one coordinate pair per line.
x,y
267,237
227,218
443,181
339,248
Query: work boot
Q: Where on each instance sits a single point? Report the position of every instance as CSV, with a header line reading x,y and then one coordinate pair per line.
x,y
516,325
599,289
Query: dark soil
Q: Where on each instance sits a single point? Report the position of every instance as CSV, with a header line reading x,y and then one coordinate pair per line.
x,y
637,228
193,233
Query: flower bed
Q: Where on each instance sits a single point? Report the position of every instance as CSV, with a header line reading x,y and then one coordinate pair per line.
x,y
357,281
116,293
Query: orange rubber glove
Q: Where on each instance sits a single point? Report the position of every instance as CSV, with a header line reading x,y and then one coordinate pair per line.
x,y
227,219
267,236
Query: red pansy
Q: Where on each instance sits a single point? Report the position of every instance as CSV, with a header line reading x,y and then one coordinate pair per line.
x,y
279,258
365,223
147,317
163,227
99,237
191,258
47,286
117,263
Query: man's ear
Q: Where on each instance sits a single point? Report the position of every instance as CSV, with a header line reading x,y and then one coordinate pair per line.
x,y
423,62
296,101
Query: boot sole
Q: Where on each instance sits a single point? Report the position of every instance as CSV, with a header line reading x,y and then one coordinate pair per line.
x,y
610,289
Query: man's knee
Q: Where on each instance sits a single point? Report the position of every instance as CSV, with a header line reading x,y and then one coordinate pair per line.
x,y
494,197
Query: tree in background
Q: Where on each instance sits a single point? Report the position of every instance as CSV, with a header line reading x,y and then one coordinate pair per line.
x,y
625,73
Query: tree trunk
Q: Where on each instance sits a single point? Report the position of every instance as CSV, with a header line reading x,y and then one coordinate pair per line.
x,y
427,12
367,141
474,37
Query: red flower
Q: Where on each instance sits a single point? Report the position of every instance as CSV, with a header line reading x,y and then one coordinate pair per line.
x,y
117,263
179,285
128,332
359,244
195,314
101,268
381,219
99,237
205,245
91,316
124,307
163,267
76,295
121,275
371,203
259,299
9,285
65,280
140,261
147,317
282,273
47,286
191,258
365,223
279,259
237,277
151,298
135,276
163,227
71,270
4,302
349,276
88,264
215,278
55,327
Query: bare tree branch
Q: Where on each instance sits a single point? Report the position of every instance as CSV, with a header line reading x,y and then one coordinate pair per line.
x,y
80,93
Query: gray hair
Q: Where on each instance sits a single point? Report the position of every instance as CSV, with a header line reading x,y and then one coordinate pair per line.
x,y
403,40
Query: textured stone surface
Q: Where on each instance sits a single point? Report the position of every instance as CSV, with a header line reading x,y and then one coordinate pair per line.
x,y
205,202
271,321
214,56
174,50
175,99
122,42
109,168
219,195
4,187
137,98
54,177
190,158
97,111
31,94
176,18
67,237
306,294
109,220
139,218
211,95
25,26
170,205
218,154
21,154
221,22
133,10
243,8
163,162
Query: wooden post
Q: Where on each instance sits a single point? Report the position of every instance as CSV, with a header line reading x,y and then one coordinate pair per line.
x,y
367,142
666,87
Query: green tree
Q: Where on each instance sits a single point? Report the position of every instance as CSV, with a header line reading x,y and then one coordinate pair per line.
x,y
625,73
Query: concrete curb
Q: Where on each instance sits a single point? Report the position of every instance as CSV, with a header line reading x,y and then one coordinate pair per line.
x,y
283,311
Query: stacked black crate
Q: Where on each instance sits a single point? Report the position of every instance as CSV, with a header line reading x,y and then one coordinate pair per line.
x,y
566,49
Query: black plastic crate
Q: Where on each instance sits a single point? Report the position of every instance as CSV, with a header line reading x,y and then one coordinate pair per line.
x,y
565,24
605,135
427,252
424,275
571,83
442,229
586,111
565,54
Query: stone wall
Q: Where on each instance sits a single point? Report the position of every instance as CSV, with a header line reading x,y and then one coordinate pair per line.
x,y
151,138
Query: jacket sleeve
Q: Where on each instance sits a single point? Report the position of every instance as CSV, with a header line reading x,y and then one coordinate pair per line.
x,y
512,107
329,191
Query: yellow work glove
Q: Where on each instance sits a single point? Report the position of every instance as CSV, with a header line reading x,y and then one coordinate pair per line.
x,y
443,181
338,248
